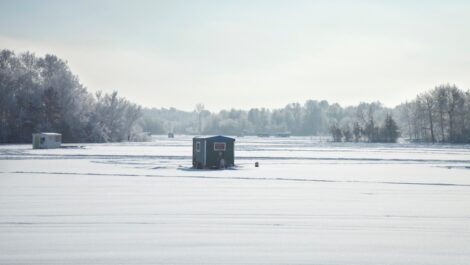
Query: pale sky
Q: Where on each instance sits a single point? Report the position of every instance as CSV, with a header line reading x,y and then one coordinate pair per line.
x,y
243,54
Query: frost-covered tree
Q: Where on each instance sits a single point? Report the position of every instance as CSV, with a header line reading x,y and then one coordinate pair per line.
x,y
42,94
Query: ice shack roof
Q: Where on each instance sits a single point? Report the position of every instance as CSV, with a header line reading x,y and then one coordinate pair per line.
x,y
48,133
215,138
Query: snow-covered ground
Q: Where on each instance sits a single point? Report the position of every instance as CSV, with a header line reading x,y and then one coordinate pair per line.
x,y
309,202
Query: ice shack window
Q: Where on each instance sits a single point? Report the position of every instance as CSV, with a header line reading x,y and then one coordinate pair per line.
x,y
198,146
219,146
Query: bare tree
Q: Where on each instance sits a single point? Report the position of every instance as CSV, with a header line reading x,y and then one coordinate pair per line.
x,y
199,111
427,101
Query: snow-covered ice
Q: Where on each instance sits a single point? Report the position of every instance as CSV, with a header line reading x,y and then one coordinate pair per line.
x,y
309,202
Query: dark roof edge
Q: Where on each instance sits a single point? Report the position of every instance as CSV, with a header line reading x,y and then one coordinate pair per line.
x,y
214,137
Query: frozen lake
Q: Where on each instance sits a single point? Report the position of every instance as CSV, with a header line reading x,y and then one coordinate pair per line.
x,y
309,202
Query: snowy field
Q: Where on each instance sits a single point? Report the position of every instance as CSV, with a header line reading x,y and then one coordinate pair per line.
x,y
309,202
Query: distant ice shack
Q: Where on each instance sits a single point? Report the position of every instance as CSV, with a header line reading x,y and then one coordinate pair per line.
x,y
213,152
45,140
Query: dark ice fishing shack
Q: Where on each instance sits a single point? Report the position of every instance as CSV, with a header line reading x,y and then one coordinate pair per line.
x,y
213,152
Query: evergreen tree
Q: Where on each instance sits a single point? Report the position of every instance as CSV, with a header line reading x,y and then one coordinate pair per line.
x,y
389,132
336,133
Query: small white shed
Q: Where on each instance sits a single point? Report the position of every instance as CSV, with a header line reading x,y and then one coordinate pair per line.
x,y
46,140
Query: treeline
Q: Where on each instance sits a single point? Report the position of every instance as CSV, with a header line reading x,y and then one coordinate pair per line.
x,y
439,115
388,132
370,122
311,118
42,94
